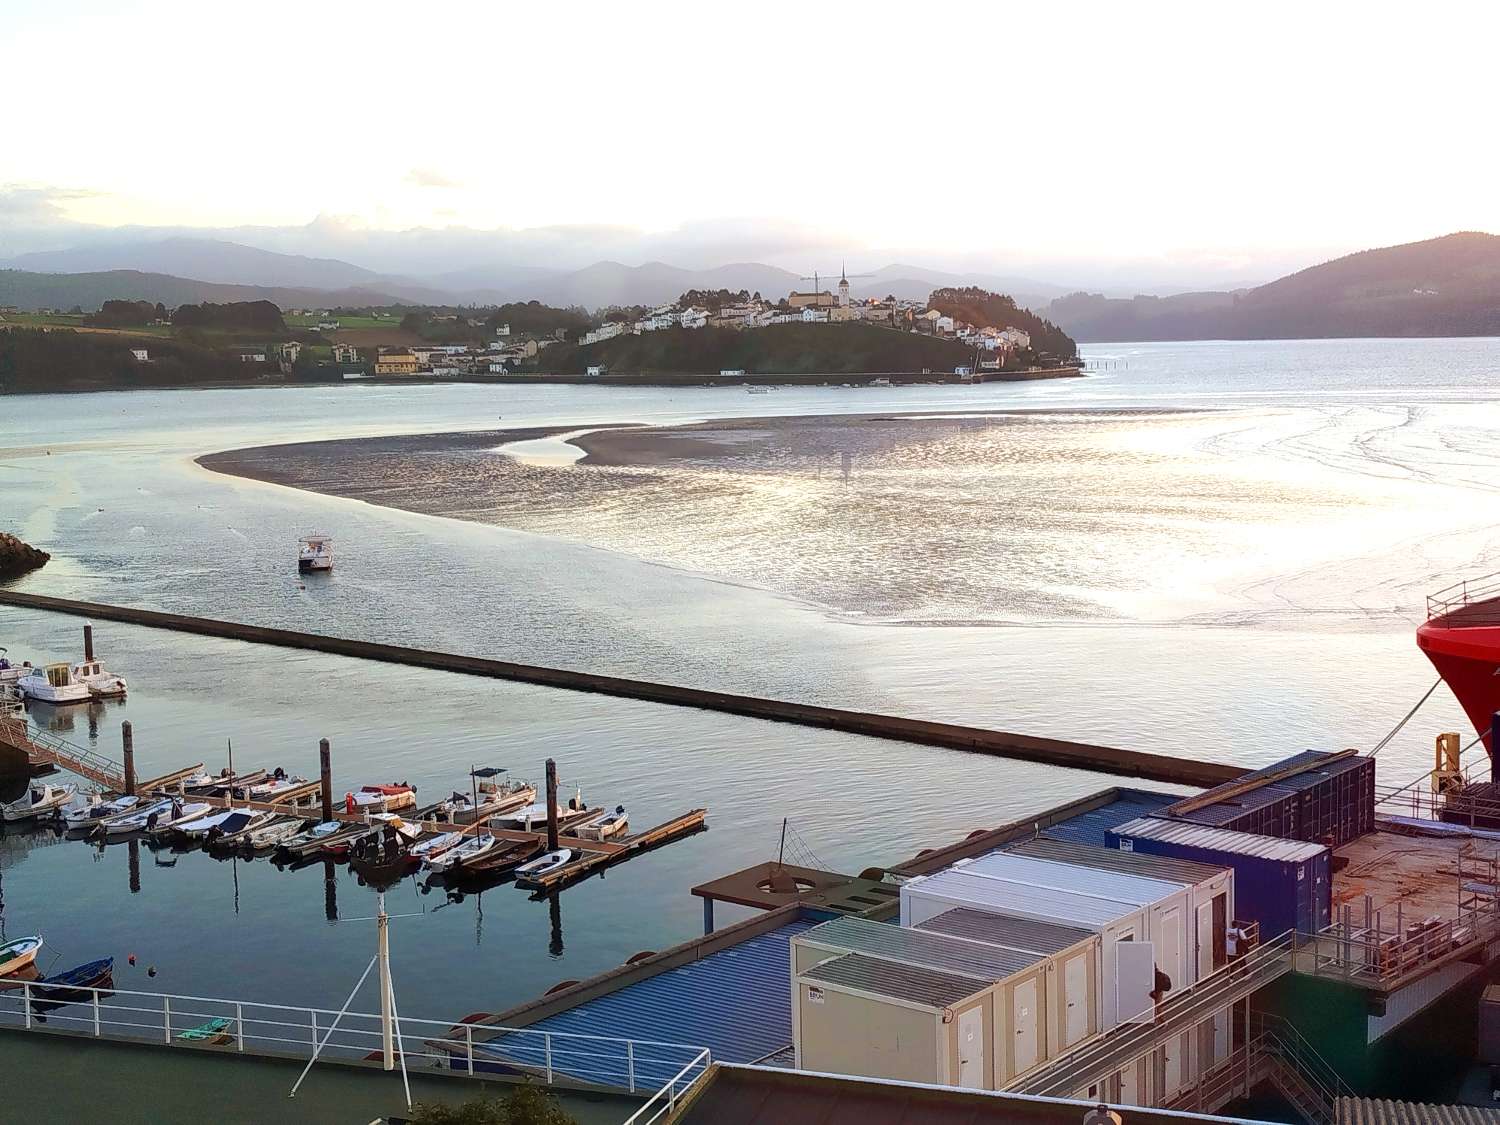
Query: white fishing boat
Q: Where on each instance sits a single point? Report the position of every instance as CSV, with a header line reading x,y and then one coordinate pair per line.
x,y
142,818
181,814
96,809
236,828
101,684
493,794
16,954
475,847
315,552
436,845
274,834
607,826
53,684
271,789
39,800
10,673
545,863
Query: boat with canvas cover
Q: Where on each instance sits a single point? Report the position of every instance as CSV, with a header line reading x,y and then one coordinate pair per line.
x,y
89,814
474,848
544,864
229,832
15,955
179,815
142,817
39,801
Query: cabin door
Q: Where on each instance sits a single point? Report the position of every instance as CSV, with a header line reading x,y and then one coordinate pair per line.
x,y
1025,1024
971,1048
1075,999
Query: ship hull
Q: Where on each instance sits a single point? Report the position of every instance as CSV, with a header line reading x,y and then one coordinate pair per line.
x,y
1467,657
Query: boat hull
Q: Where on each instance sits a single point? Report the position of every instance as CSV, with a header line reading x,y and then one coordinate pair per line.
x,y
1467,657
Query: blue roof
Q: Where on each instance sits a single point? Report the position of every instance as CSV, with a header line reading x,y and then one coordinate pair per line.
x,y
735,1001
1089,827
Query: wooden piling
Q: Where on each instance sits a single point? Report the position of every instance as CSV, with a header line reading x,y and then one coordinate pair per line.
x,y
127,737
88,642
325,774
551,805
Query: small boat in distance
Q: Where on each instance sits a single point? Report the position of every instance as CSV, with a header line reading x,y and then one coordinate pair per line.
x,y
39,800
17,954
314,552
53,684
215,1033
544,864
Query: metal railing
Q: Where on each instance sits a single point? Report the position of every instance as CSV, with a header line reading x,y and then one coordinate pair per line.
x,y
664,1101
59,751
430,1046
1463,602
1379,958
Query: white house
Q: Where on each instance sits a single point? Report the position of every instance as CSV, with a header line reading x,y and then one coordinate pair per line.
x,y
140,355
252,357
602,333
345,353
598,369
290,351
693,318
811,315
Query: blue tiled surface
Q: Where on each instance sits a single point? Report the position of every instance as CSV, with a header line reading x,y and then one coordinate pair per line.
x,y
1089,827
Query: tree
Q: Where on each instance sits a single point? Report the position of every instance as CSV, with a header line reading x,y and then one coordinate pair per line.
x,y
524,1105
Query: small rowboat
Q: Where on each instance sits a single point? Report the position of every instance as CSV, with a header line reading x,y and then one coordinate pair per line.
x,y
186,815
274,834
40,799
138,819
436,845
86,816
231,832
544,865
605,827
76,986
312,841
214,1033
475,847
507,858
16,955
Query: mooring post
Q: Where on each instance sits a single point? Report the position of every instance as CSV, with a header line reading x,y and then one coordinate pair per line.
x,y
127,736
551,805
325,774
88,641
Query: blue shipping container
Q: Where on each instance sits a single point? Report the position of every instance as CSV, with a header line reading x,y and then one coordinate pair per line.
x,y
1279,884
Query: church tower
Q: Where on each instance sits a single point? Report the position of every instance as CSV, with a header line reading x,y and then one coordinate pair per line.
x,y
843,288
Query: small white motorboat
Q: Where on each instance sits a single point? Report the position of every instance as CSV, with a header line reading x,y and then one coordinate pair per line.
x,y
89,814
39,800
143,818
53,684
274,787
236,825
544,864
11,673
436,845
471,849
101,684
607,826
314,552
274,834
16,954
184,814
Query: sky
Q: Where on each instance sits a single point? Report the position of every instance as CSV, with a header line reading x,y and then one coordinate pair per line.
x,y
1215,136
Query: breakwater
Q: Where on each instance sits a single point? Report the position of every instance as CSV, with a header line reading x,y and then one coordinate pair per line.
x,y
1003,744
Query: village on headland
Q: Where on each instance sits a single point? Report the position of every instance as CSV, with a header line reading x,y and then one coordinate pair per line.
x,y
955,335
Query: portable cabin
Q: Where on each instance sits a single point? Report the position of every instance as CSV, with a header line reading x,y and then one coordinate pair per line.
x,y
1279,884
1073,997
886,1001
1167,906
1126,979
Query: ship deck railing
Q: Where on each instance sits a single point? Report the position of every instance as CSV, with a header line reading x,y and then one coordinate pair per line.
x,y
1384,958
1463,602
565,1060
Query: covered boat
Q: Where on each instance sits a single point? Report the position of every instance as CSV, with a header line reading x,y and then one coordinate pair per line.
x,y
15,955
381,798
90,813
1461,637
39,800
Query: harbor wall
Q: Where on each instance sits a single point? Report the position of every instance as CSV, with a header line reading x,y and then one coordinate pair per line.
x,y
1050,751
683,379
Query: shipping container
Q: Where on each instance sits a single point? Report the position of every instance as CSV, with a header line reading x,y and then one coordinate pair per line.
x,y
956,1011
1279,884
1126,980
1331,801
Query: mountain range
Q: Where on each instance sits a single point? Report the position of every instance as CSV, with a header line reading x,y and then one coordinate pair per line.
x,y
1442,286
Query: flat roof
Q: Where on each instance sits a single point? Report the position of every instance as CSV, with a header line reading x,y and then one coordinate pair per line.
x,y
959,888
1185,871
1089,827
1095,882
1028,934
928,987
1191,834
919,947
768,885
735,1000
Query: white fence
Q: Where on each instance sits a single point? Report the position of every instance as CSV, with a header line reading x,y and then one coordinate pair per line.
x,y
429,1046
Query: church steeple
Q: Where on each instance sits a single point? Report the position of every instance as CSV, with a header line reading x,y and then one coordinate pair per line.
x,y
843,285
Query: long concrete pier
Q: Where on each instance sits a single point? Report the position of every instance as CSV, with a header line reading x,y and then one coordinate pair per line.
x,y
1002,744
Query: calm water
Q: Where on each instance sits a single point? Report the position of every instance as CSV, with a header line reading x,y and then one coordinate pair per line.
x,y
1233,584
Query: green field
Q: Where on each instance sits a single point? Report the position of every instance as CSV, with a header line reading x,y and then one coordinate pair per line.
x,y
66,320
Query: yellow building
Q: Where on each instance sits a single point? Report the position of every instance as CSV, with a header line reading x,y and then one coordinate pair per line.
x,y
396,363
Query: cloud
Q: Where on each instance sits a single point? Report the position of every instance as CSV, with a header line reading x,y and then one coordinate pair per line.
x,y
38,204
428,178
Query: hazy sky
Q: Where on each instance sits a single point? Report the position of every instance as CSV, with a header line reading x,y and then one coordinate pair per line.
x,y
993,130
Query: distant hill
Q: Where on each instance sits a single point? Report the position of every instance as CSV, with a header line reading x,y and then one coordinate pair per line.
x,y
791,349
1447,286
89,291
984,309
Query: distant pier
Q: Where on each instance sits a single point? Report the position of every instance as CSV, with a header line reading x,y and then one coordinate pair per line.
x,y
1050,751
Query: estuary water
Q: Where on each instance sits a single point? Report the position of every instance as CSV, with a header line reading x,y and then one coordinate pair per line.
x,y
1217,550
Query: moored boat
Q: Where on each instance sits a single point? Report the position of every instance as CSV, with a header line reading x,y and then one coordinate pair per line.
x,y
15,955
274,834
77,985
180,814
474,848
215,1033
314,552
101,683
1461,637
435,845
493,795
507,857
53,684
39,800
381,798
140,819
544,864
606,827
96,809
235,828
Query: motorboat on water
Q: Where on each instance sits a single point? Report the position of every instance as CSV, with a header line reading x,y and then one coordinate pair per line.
x,y
505,858
312,839
15,955
95,809
474,848
314,552
141,818
235,829
39,800
219,824
606,827
53,684
180,814
544,864
493,794
271,789
11,673
381,798
225,783
101,683
274,834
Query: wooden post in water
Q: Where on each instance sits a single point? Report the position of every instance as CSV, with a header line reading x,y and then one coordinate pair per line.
x,y
127,736
551,805
325,774
88,642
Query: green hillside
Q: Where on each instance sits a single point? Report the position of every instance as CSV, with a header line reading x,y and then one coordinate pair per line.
x,y
780,349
